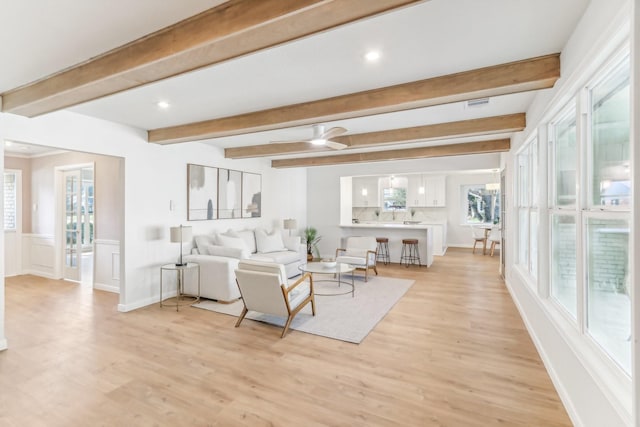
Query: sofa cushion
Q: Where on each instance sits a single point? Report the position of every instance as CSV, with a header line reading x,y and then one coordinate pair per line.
x,y
281,257
227,251
267,243
351,260
231,242
247,235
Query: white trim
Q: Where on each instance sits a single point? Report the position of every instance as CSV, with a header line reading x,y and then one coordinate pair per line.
x,y
106,288
564,395
4,344
124,308
106,242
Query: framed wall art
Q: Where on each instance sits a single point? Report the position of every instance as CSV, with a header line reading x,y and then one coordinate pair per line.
x,y
251,195
229,194
202,193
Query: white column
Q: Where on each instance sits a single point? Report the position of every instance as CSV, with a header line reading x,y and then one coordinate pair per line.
x,y
3,339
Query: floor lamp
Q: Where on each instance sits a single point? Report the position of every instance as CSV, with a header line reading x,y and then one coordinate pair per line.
x,y
181,235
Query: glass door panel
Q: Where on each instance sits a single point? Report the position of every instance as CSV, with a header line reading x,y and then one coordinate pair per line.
x,y
73,244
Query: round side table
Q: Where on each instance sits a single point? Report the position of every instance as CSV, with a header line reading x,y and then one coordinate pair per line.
x,y
180,295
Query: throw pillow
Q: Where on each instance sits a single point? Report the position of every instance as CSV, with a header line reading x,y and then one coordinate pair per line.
x,y
269,242
249,238
204,240
292,243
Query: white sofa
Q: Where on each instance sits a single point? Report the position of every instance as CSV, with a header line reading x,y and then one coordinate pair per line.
x,y
218,255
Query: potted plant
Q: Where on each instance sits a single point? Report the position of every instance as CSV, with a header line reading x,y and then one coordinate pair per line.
x,y
311,238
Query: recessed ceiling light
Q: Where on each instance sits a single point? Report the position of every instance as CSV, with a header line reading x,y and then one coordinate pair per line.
x,y
163,104
372,55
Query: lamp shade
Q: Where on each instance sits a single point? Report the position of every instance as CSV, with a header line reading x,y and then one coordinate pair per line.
x,y
290,224
181,234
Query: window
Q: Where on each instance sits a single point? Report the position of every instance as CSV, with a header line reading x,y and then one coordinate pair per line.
x,y
607,217
527,177
589,230
563,262
483,204
610,178
10,200
563,209
563,134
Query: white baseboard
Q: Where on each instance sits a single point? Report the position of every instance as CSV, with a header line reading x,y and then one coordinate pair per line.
x,y
145,302
3,344
39,273
107,288
461,245
566,399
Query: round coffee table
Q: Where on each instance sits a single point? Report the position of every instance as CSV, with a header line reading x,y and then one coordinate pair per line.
x,y
338,270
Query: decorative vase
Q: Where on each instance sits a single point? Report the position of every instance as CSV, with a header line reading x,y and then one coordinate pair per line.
x,y
309,257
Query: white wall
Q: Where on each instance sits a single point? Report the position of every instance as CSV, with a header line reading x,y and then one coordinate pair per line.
x,y
459,234
154,175
323,188
592,396
3,339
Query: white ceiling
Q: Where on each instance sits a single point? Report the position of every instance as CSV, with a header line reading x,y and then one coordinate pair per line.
x,y
433,38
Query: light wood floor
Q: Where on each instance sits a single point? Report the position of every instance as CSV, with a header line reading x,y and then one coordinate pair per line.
x,y
452,352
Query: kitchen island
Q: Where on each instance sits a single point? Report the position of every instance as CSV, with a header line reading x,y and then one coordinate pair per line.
x,y
395,232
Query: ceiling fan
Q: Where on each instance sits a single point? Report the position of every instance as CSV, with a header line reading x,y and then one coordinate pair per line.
x,y
323,137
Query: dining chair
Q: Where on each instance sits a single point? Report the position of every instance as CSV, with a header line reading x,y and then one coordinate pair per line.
x,y
479,235
495,236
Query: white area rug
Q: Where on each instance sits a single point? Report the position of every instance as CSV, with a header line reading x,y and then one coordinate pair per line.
x,y
337,316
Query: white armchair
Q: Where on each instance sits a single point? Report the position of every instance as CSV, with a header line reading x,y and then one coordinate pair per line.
x,y
264,288
361,253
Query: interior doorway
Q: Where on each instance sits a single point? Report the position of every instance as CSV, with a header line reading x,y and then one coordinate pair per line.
x,y
78,223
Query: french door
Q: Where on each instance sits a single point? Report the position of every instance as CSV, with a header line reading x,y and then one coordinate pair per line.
x,y
72,224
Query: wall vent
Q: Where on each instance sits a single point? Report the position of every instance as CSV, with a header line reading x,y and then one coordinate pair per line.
x,y
480,102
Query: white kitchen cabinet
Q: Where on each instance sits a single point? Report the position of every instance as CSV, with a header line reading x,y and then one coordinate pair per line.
x,y
426,191
416,194
435,189
366,192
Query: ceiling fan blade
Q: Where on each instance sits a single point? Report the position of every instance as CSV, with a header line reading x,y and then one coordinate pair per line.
x,y
287,142
333,132
336,145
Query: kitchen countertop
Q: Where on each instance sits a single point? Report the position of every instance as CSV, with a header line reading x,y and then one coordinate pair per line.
x,y
421,226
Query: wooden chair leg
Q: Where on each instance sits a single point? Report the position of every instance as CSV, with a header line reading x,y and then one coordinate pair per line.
x,y
313,305
366,271
375,269
244,313
286,326
474,246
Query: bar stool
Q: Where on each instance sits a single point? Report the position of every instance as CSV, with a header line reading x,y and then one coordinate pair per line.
x,y
410,253
383,250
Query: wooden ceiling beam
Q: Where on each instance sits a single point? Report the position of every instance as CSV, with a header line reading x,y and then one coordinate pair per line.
x,y
479,147
473,127
230,30
520,76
